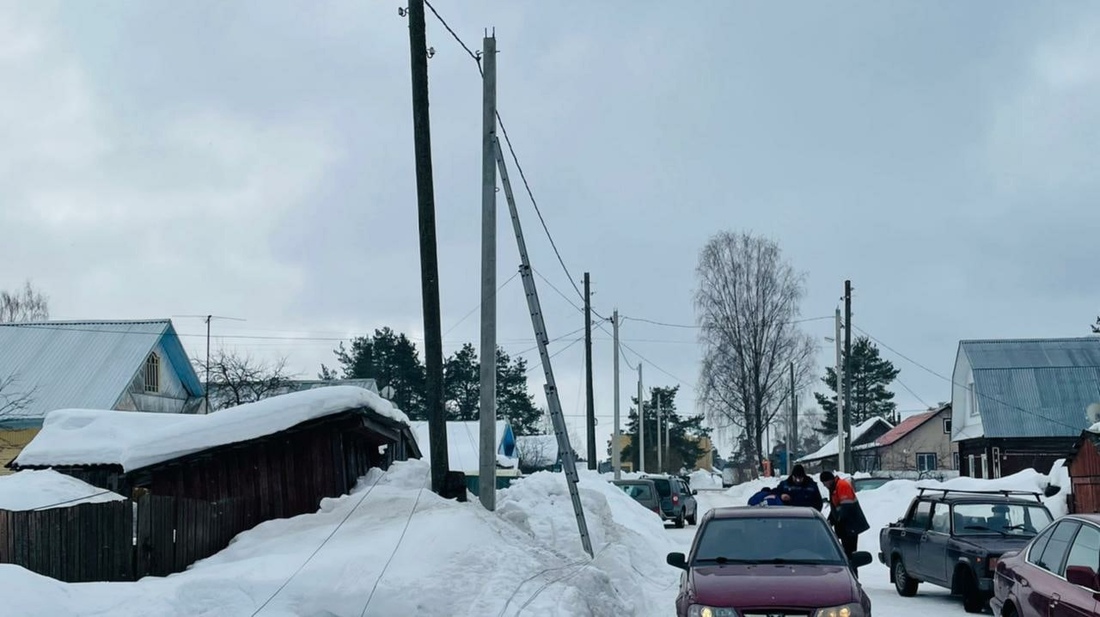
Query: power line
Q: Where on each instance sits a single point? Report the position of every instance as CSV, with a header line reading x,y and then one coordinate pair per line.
x,y
559,292
650,362
476,57
392,554
539,363
696,327
910,391
966,387
474,310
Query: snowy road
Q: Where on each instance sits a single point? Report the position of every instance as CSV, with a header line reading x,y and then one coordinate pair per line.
x,y
875,578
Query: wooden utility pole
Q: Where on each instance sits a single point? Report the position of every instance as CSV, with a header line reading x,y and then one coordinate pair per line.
x,y
660,455
590,401
792,434
849,460
429,261
487,469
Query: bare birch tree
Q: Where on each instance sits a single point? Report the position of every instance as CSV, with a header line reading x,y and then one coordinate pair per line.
x,y
236,379
26,304
13,399
747,305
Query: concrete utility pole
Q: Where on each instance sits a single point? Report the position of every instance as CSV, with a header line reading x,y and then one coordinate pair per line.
x,y
660,457
616,453
849,461
590,401
641,421
429,262
487,469
839,371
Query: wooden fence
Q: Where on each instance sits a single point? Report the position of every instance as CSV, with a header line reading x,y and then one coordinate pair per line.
x,y
121,540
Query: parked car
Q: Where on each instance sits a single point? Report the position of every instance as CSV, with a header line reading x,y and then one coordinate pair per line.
x,y
954,539
768,561
869,484
642,491
677,500
1055,574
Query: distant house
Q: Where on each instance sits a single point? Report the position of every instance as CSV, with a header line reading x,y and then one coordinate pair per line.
x,y
865,434
919,443
114,365
1020,404
463,446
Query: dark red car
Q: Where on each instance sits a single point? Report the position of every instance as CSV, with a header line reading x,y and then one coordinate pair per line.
x,y
1055,575
768,561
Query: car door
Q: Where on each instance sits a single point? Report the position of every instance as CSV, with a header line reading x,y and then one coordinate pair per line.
x,y
1045,581
1070,600
909,538
932,547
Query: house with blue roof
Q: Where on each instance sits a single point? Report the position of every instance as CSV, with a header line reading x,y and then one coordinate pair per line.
x,y
118,365
1021,403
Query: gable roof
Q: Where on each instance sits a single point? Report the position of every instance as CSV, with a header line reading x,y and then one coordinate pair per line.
x,y
908,425
1034,387
84,363
137,440
831,448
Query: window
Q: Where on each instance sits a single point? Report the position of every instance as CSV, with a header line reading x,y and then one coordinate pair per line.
x,y
1055,552
1039,545
985,465
1000,518
926,461
152,373
955,460
941,519
996,462
1085,550
947,426
972,399
921,515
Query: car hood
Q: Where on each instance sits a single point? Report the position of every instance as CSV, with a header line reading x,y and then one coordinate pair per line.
x,y
997,544
796,585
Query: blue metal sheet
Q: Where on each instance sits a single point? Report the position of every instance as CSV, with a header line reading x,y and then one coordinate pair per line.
x,y
1036,402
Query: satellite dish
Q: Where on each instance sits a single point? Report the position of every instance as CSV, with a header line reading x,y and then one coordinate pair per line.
x,y
1092,412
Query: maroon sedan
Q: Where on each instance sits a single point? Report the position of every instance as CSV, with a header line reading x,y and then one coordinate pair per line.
x,y
1055,575
768,561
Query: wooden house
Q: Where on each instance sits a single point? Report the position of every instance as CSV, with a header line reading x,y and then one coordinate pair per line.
x,y
1084,474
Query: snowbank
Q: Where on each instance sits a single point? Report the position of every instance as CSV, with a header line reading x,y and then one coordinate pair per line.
x,y
701,478
136,440
44,489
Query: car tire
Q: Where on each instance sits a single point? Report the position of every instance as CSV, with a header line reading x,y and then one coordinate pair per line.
x,y
1009,611
693,518
974,601
905,585
680,520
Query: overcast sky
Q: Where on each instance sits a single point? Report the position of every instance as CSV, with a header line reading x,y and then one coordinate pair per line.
x,y
254,160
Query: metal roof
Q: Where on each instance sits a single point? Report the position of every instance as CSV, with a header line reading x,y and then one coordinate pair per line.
x,y
1032,353
1036,402
907,426
83,363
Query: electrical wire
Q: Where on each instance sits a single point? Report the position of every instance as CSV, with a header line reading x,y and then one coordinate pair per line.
x,y
476,57
393,553
474,310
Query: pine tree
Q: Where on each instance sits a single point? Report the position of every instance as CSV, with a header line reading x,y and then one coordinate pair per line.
x,y
462,390
390,359
684,432
869,398
462,384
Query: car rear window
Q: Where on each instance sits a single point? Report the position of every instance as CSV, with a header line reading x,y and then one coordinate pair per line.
x,y
767,539
638,491
663,488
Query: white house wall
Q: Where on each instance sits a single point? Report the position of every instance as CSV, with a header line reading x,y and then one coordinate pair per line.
x,y
172,396
964,424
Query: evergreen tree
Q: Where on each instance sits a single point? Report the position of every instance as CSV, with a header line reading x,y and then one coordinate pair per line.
x,y
390,359
869,398
462,384
684,433
462,390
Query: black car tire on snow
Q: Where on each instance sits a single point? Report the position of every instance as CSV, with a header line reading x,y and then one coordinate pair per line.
x,y
680,520
904,584
691,519
974,601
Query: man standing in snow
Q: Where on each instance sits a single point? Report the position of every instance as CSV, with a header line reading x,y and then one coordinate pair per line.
x,y
845,513
800,490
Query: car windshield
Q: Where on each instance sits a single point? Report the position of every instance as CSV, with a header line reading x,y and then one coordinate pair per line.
x,y
662,487
769,539
638,491
1000,518
870,484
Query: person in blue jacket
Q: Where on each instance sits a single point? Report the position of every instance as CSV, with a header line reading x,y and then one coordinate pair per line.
x,y
800,490
766,496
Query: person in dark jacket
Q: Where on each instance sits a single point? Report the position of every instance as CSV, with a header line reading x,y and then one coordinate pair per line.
x,y
845,513
800,490
766,496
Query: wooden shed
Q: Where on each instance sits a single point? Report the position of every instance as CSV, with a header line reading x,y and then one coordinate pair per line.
x,y
1084,474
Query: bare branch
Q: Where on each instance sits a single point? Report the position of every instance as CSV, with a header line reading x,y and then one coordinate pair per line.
x,y
11,399
236,379
24,305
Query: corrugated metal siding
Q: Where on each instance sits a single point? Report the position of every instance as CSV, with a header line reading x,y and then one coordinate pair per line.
x,y
81,364
1036,402
1032,353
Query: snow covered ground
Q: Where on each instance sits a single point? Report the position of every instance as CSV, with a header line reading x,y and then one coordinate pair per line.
x,y
394,548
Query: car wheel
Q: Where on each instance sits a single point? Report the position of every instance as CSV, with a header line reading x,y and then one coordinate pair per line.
x,y
905,584
974,601
1010,611
680,520
693,518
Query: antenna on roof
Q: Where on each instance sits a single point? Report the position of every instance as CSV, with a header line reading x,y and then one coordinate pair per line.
x,y
206,385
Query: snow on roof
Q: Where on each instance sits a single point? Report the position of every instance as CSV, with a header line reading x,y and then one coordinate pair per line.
x,y
1095,428
45,488
136,440
538,450
463,439
831,449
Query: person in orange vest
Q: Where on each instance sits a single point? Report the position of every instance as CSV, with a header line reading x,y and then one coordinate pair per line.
x,y
845,513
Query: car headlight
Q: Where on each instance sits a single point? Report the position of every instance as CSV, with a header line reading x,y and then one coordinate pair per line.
x,y
699,610
848,610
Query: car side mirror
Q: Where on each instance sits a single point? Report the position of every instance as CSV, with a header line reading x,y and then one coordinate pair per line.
x,y
1083,576
860,559
677,560
694,491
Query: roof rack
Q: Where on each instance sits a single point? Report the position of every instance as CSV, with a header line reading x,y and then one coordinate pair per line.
x,y
1002,492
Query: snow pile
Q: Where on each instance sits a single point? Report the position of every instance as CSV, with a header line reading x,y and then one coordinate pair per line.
x,y
43,489
701,478
831,447
629,541
393,548
136,440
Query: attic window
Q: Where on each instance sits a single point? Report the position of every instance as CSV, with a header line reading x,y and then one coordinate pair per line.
x,y
947,426
152,373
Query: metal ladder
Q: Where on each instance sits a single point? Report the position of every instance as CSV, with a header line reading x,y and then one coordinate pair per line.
x,y
568,460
